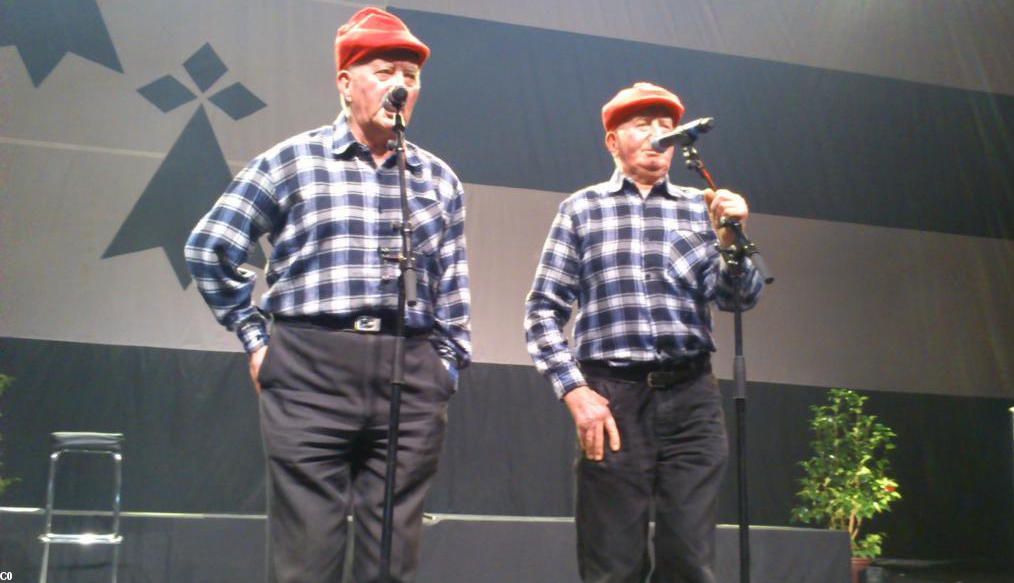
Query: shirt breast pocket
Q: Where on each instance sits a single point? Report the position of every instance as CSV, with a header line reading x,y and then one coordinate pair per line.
x,y
690,255
427,225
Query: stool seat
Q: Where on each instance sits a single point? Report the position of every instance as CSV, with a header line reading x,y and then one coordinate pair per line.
x,y
77,440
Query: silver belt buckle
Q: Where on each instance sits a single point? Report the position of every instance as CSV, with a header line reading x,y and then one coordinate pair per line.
x,y
368,324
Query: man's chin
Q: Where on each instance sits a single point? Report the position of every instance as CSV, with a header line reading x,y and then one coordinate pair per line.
x,y
385,121
656,167
379,125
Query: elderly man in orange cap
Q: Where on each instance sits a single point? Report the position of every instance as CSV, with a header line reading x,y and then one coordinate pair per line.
x,y
638,254
328,199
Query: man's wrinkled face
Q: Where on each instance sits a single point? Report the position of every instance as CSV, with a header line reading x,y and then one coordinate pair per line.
x,y
630,143
364,84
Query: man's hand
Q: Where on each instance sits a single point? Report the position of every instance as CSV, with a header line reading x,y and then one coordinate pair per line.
x,y
256,358
725,204
592,417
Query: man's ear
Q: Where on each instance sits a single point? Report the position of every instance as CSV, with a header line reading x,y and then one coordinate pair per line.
x,y
342,81
610,141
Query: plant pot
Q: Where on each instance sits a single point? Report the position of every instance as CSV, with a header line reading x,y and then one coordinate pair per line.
x,y
858,566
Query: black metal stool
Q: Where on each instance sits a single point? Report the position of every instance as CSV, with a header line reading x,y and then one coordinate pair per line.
x,y
110,444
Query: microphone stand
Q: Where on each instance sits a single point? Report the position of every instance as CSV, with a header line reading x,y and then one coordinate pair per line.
x,y
406,295
735,258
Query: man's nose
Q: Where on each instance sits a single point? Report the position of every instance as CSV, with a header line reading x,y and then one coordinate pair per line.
x,y
398,79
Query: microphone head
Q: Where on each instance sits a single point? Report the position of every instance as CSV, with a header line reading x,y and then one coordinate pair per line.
x,y
395,98
399,94
683,135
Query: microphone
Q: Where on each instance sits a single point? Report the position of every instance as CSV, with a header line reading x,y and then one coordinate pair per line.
x,y
683,135
395,98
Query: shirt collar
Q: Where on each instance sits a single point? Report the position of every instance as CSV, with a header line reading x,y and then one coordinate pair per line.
x,y
342,141
620,181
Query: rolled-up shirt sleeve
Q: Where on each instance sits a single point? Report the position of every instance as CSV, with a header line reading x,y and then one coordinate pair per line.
x,y
750,286
221,243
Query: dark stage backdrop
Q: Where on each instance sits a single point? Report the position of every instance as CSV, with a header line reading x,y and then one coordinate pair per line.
x,y
194,446
872,139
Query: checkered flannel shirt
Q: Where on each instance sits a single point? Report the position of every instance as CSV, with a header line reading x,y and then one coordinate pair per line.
x,y
330,214
643,272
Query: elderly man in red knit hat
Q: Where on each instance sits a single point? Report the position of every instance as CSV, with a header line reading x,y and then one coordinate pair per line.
x,y
329,202
638,255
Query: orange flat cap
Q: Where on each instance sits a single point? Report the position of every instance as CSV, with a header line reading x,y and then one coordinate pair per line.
x,y
637,97
371,30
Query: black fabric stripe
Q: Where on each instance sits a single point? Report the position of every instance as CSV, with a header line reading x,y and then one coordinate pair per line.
x,y
517,106
193,445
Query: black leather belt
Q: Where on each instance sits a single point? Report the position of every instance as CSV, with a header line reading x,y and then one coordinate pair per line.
x,y
657,375
362,324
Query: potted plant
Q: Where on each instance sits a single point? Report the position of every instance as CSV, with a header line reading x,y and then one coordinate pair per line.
x,y
846,481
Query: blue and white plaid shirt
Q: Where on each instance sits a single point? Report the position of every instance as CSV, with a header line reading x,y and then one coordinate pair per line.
x,y
643,272
330,215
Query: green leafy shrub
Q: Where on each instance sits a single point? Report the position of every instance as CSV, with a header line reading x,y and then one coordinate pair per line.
x,y
846,480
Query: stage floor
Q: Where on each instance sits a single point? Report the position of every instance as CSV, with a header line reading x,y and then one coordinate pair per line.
x,y
456,549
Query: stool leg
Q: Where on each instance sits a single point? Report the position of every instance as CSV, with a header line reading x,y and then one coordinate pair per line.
x,y
116,560
45,562
50,489
118,460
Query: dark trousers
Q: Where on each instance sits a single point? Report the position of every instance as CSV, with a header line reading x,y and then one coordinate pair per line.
x,y
324,408
672,457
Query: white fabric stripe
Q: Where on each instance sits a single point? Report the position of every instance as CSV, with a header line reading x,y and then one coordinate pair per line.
x,y
854,306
